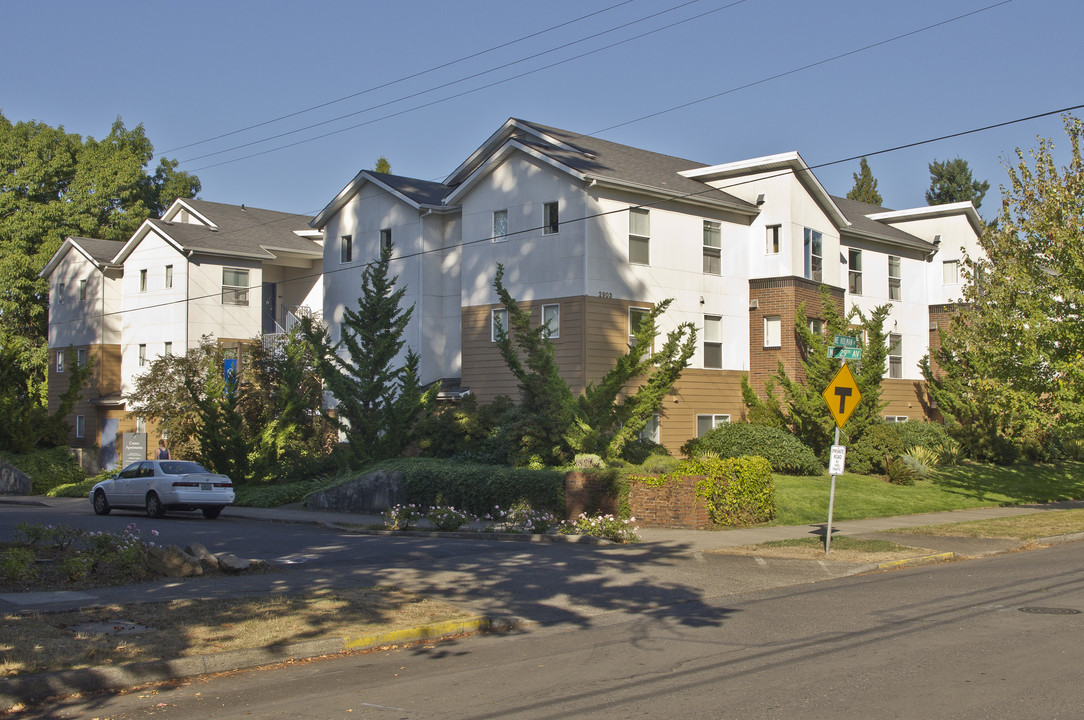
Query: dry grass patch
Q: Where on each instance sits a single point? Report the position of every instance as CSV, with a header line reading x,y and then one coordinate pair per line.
x,y
47,642
1018,527
844,549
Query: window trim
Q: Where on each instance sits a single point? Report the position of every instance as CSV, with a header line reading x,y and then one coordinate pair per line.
x,y
895,361
955,272
551,218
645,240
895,418
493,315
83,290
714,252
346,249
80,426
169,276
777,320
143,280
500,235
895,281
715,421
240,292
551,333
811,259
713,344
854,275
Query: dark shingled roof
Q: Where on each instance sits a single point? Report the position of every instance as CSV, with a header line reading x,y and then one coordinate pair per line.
x,y
244,231
103,251
423,192
856,212
604,159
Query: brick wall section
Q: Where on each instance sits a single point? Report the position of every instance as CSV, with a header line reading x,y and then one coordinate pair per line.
x,y
674,505
942,315
780,297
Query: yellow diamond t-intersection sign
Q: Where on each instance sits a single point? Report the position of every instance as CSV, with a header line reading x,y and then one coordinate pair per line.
x,y
842,395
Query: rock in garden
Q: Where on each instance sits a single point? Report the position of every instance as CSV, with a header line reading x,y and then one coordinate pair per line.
x,y
231,563
205,556
171,561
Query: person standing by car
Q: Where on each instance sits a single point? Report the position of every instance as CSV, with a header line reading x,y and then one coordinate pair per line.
x,y
163,451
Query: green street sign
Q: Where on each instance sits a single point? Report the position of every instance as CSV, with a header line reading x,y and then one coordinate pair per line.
x,y
845,341
845,353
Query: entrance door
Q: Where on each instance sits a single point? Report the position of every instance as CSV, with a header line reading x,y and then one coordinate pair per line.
x,y
108,442
270,302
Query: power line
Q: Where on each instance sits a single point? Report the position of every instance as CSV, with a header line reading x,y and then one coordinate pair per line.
x,y
361,266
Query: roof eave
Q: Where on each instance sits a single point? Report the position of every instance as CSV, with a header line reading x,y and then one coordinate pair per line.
x,y
703,200
498,156
933,211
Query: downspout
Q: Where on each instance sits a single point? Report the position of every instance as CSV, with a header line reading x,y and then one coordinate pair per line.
x,y
421,282
187,295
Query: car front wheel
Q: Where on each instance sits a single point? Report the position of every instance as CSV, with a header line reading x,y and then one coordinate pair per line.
x,y
101,504
154,506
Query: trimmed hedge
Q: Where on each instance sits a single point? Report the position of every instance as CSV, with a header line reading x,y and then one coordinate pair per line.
x,y
786,453
477,488
47,468
738,491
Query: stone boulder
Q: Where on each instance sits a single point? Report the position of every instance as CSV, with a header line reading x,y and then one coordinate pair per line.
x,y
229,562
373,492
171,561
206,558
14,481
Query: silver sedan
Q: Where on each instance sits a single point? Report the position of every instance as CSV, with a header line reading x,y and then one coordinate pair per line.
x,y
159,485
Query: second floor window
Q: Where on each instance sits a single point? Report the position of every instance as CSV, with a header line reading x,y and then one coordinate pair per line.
x,y
639,236
713,341
854,272
142,355
713,248
82,290
894,290
385,238
814,255
500,225
234,286
168,349
551,221
950,272
60,293
346,248
773,239
169,276
142,281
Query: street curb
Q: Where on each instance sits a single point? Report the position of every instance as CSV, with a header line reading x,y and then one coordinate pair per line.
x,y
920,560
29,688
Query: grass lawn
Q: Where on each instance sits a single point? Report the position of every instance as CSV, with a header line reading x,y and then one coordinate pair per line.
x,y
804,500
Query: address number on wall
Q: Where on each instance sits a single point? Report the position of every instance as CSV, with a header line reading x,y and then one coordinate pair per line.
x,y
608,295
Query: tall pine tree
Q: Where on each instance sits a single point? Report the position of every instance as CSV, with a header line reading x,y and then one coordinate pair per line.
x,y
865,186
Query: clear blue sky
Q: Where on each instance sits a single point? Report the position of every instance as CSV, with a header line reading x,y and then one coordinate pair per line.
x,y
190,71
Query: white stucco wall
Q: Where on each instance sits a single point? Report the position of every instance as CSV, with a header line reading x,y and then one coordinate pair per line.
x,y
86,322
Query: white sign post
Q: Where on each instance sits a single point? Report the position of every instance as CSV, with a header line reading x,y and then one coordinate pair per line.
x,y
842,395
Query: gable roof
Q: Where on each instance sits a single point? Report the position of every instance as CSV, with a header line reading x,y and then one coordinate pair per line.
x,y
234,230
593,159
414,192
862,224
100,252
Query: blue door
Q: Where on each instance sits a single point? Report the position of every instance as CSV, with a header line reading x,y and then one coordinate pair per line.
x,y
110,426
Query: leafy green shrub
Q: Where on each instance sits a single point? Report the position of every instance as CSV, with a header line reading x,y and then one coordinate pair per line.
x,y
17,564
402,517
898,471
445,518
996,449
466,429
879,441
638,451
660,465
606,527
47,468
738,491
583,461
78,489
276,495
921,434
477,488
929,457
521,518
785,452
950,452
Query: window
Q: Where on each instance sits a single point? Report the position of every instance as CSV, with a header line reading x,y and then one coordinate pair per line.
x,y
500,225
142,281
385,238
346,248
713,341
895,356
637,317
82,291
234,286
551,319
950,272
895,418
550,219
81,357
650,433
639,236
772,242
854,272
60,361
713,244
142,355
816,326
814,258
894,278
706,423
60,293
141,425
80,426
773,331
168,349
498,322
169,276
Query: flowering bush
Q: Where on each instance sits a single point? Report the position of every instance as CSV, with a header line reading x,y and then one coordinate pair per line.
x,y
402,517
77,556
521,518
606,527
445,518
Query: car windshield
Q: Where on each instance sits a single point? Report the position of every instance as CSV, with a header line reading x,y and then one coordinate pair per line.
x,y
181,467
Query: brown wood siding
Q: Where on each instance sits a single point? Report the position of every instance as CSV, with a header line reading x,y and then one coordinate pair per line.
x,y
904,398
698,392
